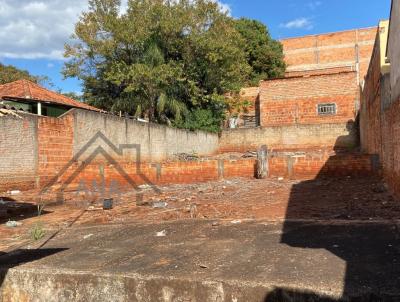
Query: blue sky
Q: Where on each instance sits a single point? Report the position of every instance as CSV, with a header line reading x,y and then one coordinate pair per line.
x,y
34,31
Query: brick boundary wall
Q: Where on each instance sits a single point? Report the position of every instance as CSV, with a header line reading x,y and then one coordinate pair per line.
x,y
18,152
379,114
56,142
382,130
35,149
161,173
55,145
342,136
157,142
391,147
297,167
309,166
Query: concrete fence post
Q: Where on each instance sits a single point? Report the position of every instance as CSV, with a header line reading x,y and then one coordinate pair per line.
x,y
262,163
221,169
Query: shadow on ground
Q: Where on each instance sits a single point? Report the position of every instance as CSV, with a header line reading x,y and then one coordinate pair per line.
x,y
11,209
22,256
371,251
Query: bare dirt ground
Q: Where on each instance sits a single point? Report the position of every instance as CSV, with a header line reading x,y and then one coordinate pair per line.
x,y
225,202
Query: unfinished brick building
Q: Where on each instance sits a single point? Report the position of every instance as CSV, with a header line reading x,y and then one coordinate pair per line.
x,y
320,88
315,99
332,52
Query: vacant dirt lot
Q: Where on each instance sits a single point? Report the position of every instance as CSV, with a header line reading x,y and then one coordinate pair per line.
x,y
228,201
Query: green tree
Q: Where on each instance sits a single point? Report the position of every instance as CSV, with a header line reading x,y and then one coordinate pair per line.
x,y
264,54
72,95
161,59
168,61
9,73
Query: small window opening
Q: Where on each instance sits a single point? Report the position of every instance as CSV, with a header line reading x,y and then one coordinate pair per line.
x,y
326,109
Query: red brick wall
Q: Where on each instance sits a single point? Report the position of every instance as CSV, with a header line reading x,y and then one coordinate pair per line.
x,y
18,152
55,146
56,167
380,122
55,151
55,137
294,100
294,167
328,50
381,132
370,107
313,166
391,147
160,174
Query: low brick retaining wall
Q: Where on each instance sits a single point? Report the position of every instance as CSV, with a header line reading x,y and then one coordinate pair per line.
x,y
282,165
128,176
312,166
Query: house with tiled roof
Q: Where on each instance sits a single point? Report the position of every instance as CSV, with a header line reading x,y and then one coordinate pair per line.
x,y
29,97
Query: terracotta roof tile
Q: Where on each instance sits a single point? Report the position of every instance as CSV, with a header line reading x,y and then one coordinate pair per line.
x,y
24,89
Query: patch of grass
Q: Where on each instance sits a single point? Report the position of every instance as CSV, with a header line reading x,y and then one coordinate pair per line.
x,y
37,232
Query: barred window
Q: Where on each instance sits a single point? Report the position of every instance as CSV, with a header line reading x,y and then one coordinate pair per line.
x,y
327,109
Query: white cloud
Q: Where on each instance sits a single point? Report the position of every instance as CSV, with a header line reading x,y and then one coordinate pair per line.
x,y
300,23
313,5
224,7
34,29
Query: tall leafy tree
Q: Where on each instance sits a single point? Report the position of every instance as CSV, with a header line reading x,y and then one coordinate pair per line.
x,y
264,54
171,61
9,73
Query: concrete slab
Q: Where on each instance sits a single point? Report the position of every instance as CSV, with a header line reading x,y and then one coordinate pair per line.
x,y
196,261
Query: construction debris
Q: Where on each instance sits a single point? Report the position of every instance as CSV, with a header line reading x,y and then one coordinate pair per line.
x,y
163,233
186,157
160,205
87,236
13,224
249,154
108,204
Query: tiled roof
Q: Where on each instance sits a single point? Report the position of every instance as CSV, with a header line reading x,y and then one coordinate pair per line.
x,y
24,89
